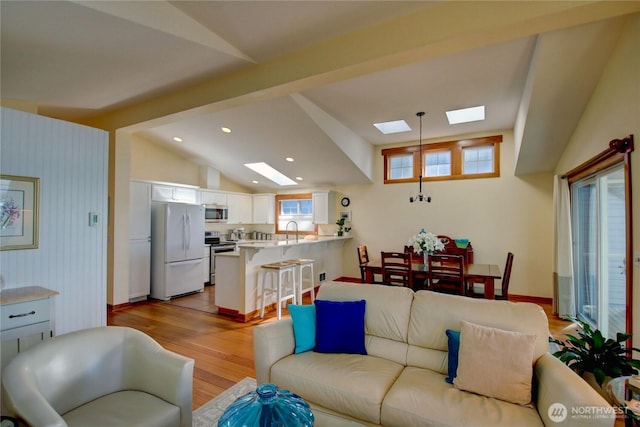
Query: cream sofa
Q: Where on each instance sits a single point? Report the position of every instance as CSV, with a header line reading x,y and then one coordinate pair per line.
x,y
401,381
106,376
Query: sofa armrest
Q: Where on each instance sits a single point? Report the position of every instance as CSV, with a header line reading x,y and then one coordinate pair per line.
x,y
557,383
271,342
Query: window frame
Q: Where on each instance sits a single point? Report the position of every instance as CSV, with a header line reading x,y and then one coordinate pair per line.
x,y
297,196
455,147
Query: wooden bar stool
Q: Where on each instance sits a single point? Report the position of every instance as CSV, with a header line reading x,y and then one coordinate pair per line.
x,y
301,265
278,272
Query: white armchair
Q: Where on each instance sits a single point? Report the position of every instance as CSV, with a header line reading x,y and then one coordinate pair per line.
x,y
107,376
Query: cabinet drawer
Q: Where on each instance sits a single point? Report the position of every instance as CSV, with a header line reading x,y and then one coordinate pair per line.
x,y
24,313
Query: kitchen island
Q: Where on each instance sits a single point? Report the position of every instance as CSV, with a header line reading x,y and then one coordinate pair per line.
x,y
237,291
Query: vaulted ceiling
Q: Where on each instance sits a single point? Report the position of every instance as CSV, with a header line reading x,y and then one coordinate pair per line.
x,y
307,79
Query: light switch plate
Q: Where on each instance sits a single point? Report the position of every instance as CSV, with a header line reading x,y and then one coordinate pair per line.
x,y
636,259
93,219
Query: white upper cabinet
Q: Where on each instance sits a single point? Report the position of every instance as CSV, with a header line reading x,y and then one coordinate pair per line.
x,y
240,208
323,207
208,197
264,209
169,193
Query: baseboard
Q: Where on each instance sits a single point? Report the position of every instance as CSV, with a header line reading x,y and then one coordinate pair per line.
x,y
528,298
118,307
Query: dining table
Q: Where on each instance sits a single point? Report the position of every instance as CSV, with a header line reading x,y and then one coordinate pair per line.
x,y
484,274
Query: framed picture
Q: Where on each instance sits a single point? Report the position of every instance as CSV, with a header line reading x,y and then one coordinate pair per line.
x,y
346,215
18,212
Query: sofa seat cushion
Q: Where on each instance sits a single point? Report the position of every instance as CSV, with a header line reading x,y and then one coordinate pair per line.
x,y
421,397
351,384
125,408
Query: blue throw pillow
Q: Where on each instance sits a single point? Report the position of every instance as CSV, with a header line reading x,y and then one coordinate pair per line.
x,y
340,327
304,326
454,348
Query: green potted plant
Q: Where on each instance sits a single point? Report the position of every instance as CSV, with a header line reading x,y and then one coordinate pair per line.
x,y
595,358
347,230
340,224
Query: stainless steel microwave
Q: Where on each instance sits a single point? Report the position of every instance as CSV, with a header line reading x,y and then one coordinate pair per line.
x,y
216,213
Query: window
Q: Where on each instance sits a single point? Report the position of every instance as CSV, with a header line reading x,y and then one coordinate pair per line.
x,y
401,166
298,208
438,163
463,159
477,159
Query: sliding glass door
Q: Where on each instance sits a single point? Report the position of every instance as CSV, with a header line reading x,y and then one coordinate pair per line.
x,y
598,220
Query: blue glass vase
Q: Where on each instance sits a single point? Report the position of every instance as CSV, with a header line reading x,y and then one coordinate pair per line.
x,y
268,406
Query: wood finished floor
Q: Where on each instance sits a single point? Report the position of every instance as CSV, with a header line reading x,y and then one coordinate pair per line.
x,y
222,349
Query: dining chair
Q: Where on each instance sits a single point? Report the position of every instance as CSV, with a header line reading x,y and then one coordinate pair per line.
x,y
503,293
363,259
446,273
396,269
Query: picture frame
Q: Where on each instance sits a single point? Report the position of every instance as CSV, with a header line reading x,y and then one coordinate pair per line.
x,y
346,215
19,212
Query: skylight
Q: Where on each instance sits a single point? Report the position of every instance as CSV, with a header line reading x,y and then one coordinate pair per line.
x,y
465,115
396,126
268,172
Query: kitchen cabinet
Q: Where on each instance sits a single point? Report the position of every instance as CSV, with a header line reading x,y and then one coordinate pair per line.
x,y
323,207
139,240
213,198
264,209
26,319
170,193
240,208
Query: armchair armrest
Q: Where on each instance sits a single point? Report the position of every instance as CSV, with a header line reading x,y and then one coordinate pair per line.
x,y
163,373
557,383
271,342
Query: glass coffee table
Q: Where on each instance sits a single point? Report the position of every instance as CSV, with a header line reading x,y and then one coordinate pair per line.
x,y
617,390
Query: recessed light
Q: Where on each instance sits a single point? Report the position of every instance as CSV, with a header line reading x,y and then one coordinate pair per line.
x,y
177,139
395,126
465,115
255,182
270,173
225,129
289,159
299,178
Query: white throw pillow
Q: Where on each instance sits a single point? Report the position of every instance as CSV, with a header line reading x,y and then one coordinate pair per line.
x,y
495,363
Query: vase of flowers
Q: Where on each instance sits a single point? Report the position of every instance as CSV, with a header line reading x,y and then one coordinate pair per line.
x,y
425,243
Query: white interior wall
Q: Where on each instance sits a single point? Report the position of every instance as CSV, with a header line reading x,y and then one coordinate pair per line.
x,y
614,112
71,162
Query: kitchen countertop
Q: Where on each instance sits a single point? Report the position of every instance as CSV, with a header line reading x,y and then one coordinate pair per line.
x,y
290,242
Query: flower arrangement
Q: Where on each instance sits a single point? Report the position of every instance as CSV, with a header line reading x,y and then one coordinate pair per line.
x,y
424,241
9,212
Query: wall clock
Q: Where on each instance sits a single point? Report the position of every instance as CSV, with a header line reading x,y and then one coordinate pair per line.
x,y
345,201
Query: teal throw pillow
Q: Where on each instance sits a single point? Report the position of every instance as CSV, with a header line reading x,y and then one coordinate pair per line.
x,y
304,326
340,327
454,348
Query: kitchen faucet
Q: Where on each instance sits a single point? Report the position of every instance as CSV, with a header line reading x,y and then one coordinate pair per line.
x,y
286,230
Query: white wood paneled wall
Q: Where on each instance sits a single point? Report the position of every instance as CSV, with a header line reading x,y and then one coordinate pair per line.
x,y
72,164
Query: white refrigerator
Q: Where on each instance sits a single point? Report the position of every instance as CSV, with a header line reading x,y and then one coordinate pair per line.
x,y
177,236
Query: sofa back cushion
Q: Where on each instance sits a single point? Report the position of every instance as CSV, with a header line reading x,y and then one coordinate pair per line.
x,y
386,317
433,313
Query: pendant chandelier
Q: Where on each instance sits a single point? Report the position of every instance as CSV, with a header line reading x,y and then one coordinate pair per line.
x,y
420,197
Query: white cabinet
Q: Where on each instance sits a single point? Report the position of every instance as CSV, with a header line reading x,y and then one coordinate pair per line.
x,y
213,198
139,240
139,268
26,318
323,207
239,205
169,193
264,209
